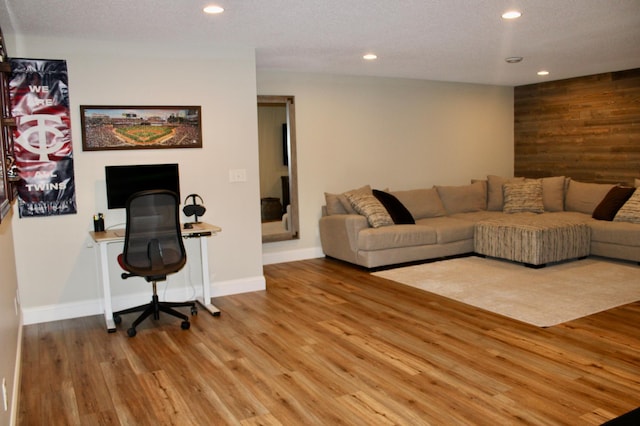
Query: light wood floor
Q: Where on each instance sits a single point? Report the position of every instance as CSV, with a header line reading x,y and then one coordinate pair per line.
x,y
329,344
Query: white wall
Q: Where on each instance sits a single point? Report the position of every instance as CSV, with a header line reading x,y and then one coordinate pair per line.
x,y
55,263
10,322
389,133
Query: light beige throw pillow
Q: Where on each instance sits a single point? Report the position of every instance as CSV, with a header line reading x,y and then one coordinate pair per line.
x,y
495,200
523,197
630,211
369,206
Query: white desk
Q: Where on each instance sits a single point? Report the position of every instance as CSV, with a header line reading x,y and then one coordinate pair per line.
x,y
102,239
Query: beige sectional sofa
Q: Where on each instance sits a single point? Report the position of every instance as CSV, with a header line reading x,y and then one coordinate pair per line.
x,y
374,228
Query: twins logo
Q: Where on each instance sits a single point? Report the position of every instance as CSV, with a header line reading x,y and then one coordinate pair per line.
x,y
41,128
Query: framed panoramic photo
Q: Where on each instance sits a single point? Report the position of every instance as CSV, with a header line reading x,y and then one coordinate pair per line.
x,y
140,127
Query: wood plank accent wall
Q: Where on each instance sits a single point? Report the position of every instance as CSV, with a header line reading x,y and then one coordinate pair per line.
x,y
586,128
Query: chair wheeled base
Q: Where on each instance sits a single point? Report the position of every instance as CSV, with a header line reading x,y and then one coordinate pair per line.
x,y
154,308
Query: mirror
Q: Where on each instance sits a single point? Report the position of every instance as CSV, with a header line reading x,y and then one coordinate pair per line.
x,y
278,168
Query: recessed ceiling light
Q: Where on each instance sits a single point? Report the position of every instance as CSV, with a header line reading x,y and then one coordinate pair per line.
x,y
511,14
213,9
543,72
370,57
513,59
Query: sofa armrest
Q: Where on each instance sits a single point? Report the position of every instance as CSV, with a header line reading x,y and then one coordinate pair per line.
x,y
339,235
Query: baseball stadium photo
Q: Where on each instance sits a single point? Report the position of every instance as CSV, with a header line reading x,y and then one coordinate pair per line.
x,y
108,128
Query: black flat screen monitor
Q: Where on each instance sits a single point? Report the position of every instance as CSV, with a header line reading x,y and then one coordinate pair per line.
x,y
124,181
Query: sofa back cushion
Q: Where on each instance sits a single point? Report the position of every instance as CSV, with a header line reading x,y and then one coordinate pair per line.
x,y
338,203
495,200
553,193
421,203
464,198
333,204
584,197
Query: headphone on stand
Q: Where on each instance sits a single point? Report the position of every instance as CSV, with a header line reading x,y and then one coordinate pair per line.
x,y
193,209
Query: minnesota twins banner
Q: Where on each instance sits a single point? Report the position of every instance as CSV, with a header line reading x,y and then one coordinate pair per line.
x,y
43,150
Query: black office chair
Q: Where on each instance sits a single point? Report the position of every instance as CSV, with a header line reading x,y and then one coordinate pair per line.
x,y
153,249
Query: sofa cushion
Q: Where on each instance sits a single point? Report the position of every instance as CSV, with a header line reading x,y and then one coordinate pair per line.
x,y
612,202
421,203
464,198
637,183
448,229
396,236
585,197
553,193
395,208
523,197
369,206
495,200
477,216
630,211
621,233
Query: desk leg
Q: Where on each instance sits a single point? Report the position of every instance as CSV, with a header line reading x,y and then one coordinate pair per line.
x,y
205,300
103,265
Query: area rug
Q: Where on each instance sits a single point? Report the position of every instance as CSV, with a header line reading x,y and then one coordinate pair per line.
x,y
543,297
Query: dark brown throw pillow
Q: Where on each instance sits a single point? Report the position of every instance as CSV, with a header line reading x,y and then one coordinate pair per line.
x,y
612,202
396,209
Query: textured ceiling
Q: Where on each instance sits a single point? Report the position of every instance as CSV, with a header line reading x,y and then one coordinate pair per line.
x,y
448,40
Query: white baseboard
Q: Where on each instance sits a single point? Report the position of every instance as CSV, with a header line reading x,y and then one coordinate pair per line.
x,y
291,255
244,285
61,311
48,313
17,374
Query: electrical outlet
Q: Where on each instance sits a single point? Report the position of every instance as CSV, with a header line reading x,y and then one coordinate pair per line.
x,y
4,394
237,175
